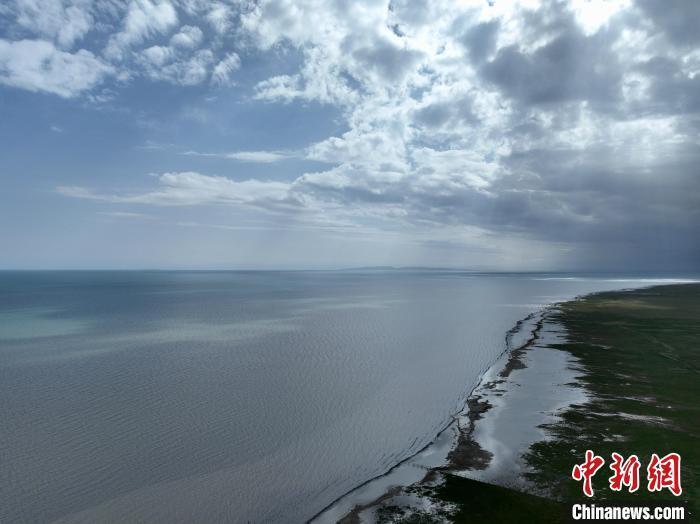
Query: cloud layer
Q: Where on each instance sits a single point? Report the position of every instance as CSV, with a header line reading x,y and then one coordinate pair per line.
x,y
574,123
98,40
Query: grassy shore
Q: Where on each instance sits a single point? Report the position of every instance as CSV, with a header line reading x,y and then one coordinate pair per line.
x,y
639,357
640,354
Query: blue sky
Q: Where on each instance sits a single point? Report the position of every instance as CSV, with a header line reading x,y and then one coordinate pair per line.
x,y
502,135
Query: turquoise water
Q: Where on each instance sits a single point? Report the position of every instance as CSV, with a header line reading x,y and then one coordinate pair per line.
x,y
236,396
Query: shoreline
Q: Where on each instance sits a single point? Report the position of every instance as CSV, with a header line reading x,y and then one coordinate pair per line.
x,y
451,453
467,456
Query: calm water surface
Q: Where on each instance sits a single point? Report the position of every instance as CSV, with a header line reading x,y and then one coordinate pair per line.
x,y
236,396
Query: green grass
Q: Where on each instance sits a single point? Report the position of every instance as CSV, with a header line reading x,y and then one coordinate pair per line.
x,y
641,354
480,502
472,501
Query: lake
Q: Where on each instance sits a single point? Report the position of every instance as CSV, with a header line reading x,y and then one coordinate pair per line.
x,y
156,396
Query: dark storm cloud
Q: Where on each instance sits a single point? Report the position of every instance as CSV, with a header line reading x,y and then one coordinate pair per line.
x,y
451,112
678,19
571,67
601,197
672,91
601,189
386,59
480,40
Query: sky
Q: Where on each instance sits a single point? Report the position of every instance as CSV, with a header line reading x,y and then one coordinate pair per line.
x,y
501,135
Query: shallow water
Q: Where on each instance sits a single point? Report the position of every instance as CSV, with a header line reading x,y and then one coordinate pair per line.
x,y
237,396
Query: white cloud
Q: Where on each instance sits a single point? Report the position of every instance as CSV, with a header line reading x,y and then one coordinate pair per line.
x,y
182,63
165,64
144,19
192,188
126,214
135,38
222,71
594,14
188,37
66,22
458,168
258,156
219,17
157,55
37,65
263,157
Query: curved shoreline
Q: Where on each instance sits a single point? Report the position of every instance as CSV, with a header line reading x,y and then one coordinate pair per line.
x,y
471,410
